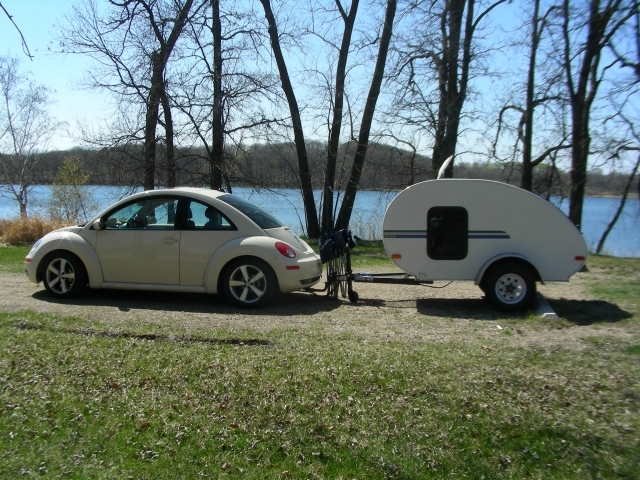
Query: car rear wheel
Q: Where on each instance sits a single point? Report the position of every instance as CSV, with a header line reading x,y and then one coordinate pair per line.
x,y
64,275
510,286
250,283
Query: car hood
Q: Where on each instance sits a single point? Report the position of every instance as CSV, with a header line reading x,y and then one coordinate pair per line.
x,y
74,229
289,237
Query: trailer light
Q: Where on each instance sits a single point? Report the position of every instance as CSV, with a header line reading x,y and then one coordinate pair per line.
x,y
285,250
580,258
396,256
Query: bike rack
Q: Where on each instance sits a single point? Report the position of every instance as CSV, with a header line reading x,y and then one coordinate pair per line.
x,y
335,253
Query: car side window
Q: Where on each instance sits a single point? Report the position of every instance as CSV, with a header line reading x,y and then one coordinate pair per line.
x,y
149,214
206,217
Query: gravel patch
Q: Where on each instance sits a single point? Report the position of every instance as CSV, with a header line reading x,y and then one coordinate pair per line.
x,y
384,313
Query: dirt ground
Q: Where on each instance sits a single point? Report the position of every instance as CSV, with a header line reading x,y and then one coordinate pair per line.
x,y
393,312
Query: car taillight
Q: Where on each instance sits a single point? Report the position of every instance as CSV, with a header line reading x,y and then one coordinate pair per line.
x,y
285,250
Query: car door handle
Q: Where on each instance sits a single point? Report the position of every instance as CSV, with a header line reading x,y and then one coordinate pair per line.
x,y
170,240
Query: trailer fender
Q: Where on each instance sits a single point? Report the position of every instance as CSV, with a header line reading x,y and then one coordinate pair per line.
x,y
505,257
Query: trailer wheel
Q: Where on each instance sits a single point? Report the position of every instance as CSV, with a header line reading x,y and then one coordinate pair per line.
x,y
510,287
353,296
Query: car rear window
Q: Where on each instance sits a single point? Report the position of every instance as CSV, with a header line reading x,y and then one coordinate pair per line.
x,y
263,219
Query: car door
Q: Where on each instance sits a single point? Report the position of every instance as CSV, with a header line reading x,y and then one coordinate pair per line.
x,y
206,230
139,244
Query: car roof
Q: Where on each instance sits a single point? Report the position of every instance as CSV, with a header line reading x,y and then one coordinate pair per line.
x,y
206,192
203,194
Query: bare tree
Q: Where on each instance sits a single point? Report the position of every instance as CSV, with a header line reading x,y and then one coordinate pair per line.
x,y
25,129
586,32
25,47
219,91
132,44
541,92
159,57
217,143
538,24
338,104
628,60
440,51
313,229
367,118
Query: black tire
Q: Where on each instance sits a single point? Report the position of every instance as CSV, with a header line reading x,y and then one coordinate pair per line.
x,y
510,286
64,275
249,283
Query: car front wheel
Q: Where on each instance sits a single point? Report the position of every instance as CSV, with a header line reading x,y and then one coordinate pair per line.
x,y
64,275
510,287
249,283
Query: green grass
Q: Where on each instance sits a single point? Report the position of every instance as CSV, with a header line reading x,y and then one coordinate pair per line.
x,y
79,399
11,258
87,399
371,253
366,254
614,265
616,280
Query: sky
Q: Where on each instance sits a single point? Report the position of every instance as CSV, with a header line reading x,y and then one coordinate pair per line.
x,y
60,73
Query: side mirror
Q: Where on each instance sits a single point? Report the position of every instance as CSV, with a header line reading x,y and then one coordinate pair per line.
x,y
97,225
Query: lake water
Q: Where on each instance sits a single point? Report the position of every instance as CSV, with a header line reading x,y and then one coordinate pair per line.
x,y
366,221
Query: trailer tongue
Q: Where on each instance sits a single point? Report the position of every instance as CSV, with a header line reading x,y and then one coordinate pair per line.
x,y
335,252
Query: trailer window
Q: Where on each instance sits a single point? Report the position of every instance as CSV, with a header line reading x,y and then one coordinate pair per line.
x,y
447,233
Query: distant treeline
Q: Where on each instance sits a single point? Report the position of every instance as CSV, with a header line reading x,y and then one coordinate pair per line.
x,y
275,165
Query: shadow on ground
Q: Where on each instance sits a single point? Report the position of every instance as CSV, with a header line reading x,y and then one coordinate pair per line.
x,y
588,312
579,312
299,303
469,308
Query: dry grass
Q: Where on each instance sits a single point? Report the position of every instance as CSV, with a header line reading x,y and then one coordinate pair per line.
x,y
23,231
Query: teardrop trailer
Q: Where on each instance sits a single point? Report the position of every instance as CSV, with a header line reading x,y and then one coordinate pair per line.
x,y
501,237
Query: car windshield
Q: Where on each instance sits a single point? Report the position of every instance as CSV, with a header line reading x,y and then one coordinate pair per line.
x,y
263,219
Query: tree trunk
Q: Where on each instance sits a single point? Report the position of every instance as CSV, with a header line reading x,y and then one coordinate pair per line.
x,y
159,59
367,117
453,84
526,182
448,115
170,150
313,230
336,125
579,158
217,142
583,91
151,121
23,201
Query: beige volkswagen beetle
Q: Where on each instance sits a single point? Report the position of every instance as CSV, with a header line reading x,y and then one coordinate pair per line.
x,y
177,240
